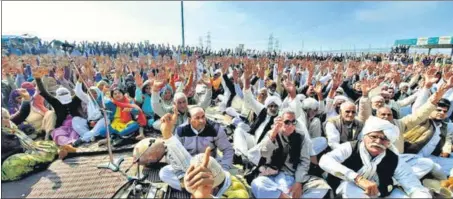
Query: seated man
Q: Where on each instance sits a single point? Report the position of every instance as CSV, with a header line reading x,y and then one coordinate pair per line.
x,y
346,126
285,162
180,100
195,137
367,167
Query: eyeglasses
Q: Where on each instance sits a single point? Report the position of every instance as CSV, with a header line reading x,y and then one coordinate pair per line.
x,y
272,106
288,122
442,110
375,137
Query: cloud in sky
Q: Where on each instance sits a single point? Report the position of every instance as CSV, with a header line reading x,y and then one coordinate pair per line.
x,y
332,25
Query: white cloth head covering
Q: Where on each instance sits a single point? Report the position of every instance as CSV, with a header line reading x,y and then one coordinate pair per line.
x,y
217,171
403,84
273,99
373,124
63,98
377,98
340,97
301,97
310,104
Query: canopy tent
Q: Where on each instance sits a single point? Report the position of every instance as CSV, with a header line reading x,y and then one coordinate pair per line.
x,y
427,42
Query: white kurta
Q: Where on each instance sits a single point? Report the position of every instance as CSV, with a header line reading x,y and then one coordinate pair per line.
x,y
332,163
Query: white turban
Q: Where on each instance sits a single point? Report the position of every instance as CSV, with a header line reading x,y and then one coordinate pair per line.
x,y
273,99
377,98
63,95
310,104
301,97
340,97
373,124
403,84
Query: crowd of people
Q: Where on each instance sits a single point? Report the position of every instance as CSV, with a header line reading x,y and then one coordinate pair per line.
x,y
353,126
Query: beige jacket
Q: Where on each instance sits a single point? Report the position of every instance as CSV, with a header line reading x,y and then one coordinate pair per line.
x,y
410,121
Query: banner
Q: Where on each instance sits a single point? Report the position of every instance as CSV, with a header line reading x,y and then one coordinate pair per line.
x,y
445,40
422,41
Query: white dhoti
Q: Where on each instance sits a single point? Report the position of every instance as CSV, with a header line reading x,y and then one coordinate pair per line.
x,y
420,166
445,163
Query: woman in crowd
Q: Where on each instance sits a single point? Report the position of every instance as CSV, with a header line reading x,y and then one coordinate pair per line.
x,y
20,154
66,107
122,111
94,124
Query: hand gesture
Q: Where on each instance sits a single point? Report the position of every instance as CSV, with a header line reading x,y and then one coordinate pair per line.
x,y
370,187
168,122
296,190
337,80
261,72
430,77
278,124
366,87
24,94
318,88
158,84
138,80
38,72
206,82
200,179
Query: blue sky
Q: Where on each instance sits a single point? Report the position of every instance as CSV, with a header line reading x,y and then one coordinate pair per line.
x,y
326,25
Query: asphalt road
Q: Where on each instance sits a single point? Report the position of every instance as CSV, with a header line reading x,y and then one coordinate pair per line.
x,y
21,188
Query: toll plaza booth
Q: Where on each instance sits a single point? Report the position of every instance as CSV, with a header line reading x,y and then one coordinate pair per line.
x,y
403,45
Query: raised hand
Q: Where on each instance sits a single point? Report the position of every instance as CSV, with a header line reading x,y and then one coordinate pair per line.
x,y
277,127
200,179
24,94
430,77
318,88
168,122
138,80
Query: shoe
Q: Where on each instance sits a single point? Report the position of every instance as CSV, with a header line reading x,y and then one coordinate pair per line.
x,y
69,148
77,143
62,153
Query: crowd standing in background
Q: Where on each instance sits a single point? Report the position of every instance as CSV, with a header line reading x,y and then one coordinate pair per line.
x,y
369,125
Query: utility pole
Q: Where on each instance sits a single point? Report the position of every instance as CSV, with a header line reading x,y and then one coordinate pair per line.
x,y
182,23
208,41
276,48
271,43
200,40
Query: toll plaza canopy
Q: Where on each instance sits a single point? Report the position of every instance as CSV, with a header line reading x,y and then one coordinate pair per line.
x,y
427,42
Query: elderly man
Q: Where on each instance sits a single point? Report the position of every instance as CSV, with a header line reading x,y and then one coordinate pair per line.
x,y
179,100
367,167
397,105
346,127
195,136
420,166
245,136
285,161
432,138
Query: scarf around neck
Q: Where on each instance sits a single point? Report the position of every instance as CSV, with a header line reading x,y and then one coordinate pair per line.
x,y
368,170
127,116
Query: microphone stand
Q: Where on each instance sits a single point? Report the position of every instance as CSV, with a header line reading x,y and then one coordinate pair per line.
x,y
113,165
